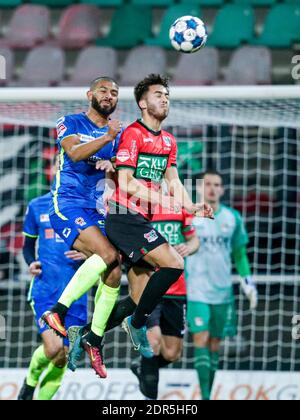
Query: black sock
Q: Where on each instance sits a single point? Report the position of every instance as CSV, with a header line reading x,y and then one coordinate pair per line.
x,y
124,308
158,285
62,311
93,339
149,377
162,362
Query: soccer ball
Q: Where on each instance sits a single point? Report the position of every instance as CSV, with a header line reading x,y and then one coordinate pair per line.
x,y
188,34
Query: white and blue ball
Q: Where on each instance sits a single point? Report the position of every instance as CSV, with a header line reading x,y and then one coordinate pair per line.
x,y
188,34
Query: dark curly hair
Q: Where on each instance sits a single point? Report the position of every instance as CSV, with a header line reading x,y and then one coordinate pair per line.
x,y
143,86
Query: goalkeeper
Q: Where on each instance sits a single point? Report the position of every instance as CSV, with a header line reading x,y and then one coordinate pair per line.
x,y
209,280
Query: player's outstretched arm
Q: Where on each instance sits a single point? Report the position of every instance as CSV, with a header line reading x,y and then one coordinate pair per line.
x,y
178,191
131,186
81,151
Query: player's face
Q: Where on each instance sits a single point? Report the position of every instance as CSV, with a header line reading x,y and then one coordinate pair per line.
x,y
156,102
104,98
213,189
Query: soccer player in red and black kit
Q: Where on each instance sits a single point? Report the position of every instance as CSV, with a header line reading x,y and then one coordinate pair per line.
x,y
166,324
147,155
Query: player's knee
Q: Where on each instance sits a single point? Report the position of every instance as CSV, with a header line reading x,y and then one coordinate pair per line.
x,y
215,344
114,277
177,263
202,339
111,258
156,346
53,351
60,360
172,355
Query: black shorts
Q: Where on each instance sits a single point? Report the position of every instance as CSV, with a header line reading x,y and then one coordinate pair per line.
x,y
132,235
170,316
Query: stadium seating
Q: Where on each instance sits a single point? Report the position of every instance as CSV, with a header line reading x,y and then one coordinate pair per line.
x,y
162,40
282,27
130,26
29,26
249,66
101,61
79,25
104,3
203,68
226,32
153,3
53,3
204,3
44,66
9,61
10,3
257,3
141,61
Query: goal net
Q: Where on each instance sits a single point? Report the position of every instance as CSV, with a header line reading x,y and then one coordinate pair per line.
x,y
250,135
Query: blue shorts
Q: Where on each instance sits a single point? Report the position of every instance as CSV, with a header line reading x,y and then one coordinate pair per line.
x,y
73,220
39,308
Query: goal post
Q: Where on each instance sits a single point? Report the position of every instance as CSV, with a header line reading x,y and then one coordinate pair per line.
x,y
251,135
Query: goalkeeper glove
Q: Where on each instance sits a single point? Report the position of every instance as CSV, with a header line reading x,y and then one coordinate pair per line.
x,y
250,290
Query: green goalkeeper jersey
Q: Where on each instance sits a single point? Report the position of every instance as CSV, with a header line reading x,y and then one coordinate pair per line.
x,y
209,271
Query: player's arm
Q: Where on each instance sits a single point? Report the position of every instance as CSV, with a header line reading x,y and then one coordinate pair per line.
x,y
241,260
29,252
130,185
31,234
190,247
82,151
178,191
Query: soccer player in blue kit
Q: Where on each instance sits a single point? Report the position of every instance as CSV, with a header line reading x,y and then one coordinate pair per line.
x,y
49,280
77,212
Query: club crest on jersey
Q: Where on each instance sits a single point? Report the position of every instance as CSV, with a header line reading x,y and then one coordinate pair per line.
x,y
151,236
61,129
123,155
44,218
168,141
80,221
199,322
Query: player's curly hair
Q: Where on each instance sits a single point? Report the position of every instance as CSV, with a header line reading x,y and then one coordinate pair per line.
x,y
143,86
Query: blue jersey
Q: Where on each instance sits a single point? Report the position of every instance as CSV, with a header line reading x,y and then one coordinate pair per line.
x,y
79,184
57,269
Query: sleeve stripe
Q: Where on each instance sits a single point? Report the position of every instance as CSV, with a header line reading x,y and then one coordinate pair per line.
x,y
30,236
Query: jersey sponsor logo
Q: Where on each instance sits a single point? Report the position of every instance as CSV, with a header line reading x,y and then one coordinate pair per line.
x,y
44,218
67,232
151,167
171,231
49,234
151,236
168,141
61,129
80,221
148,140
123,155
